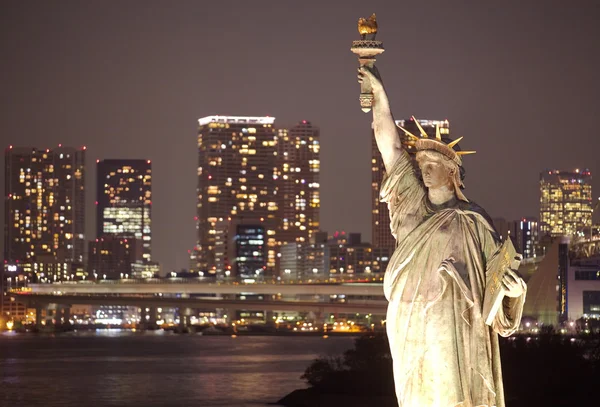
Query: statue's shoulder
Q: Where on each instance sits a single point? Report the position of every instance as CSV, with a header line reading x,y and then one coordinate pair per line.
x,y
478,210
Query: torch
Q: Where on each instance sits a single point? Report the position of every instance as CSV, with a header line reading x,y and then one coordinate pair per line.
x,y
367,49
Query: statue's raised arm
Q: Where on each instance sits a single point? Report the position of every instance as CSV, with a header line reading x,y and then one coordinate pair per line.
x,y
384,126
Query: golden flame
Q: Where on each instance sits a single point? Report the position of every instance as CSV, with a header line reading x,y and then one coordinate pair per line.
x,y
367,26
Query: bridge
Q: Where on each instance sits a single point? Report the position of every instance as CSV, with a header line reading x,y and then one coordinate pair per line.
x,y
196,286
362,307
187,294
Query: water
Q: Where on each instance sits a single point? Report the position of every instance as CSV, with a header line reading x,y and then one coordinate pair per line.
x,y
151,369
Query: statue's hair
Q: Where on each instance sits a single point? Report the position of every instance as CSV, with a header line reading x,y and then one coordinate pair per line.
x,y
434,155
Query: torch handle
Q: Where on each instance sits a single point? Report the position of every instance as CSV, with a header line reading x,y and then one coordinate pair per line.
x,y
365,86
366,91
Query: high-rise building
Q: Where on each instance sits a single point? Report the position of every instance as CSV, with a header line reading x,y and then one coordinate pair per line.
x,y
380,219
44,214
565,202
237,161
298,166
525,236
305,261
240,249
45,207
45,204
111,257
348,255
124,201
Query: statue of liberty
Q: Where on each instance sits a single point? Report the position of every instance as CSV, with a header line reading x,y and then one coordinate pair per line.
x,y
444,353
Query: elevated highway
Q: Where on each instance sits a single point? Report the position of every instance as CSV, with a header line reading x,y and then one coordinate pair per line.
x,y
124,287
375,307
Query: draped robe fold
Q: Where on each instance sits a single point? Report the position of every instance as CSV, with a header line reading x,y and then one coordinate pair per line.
x,y
443,352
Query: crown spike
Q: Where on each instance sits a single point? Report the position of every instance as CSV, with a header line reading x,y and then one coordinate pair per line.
x,y
437,132
423,133
465,152
455,142
408,133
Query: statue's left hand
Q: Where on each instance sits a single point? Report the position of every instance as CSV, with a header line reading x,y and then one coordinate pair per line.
x,y
513,284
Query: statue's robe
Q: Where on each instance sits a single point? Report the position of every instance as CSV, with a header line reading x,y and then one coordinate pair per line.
x,y
443,352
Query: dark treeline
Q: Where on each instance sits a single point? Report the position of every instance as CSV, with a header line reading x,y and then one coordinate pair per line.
x,y
549,369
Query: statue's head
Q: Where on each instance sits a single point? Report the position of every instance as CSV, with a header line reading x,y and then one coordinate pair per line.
x,y
438,171
439,161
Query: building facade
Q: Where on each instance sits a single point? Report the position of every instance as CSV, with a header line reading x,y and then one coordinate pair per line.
x,y
525,236
45,204
111,257
297,176
124,201
565,202
247,169
349,255
240,249
304,261
380,219
236,169
584,290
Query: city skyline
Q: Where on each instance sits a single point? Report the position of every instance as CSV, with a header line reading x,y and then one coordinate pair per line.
x,y
133,91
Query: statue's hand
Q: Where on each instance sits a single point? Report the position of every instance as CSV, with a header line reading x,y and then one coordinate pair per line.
x,y
513,284
372,75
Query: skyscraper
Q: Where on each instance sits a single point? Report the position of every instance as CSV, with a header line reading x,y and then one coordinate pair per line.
x,y
565,202
298,167
237,164
380,219
45,204
44,216
124,201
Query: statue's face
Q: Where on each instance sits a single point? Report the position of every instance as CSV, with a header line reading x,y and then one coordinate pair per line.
x,y
435,172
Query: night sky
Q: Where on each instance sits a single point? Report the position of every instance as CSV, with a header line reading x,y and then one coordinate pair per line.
x,y
519,80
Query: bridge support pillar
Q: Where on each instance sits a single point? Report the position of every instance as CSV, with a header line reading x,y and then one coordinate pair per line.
x,y
231,315
49,314
269,318
66,316
185,320
38,317
181,321
143,314
58,317
152,319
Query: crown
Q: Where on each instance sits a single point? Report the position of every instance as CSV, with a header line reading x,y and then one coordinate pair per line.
x,y
426,143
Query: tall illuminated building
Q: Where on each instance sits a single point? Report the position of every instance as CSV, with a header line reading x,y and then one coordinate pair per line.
x,y
124,201
45,204
565,202
298,166
380,218
44,213
237,164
